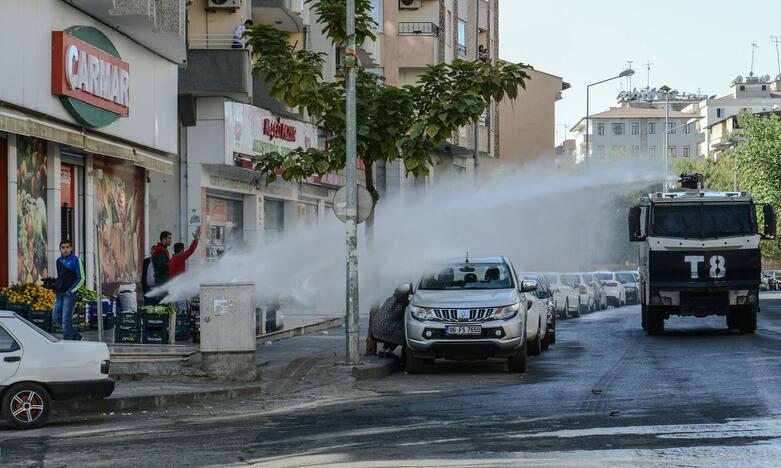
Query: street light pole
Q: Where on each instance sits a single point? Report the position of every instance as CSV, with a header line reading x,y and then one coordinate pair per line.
x,y
98,175
623,74
666,89
352,304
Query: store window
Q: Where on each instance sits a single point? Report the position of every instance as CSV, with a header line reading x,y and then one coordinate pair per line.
x,y
307,213
225,220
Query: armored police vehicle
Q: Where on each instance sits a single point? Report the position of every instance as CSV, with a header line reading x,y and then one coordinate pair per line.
x,y
699,254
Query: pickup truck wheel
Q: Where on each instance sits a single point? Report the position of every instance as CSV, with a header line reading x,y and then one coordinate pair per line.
x,y
546,339
26,405
565,314
552,332
535,346
654,322
747,321
517,363
576,314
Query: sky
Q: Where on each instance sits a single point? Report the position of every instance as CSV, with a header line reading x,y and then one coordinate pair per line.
x,y
692,45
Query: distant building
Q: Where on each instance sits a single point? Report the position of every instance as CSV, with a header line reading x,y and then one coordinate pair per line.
x,y
565,152
753,93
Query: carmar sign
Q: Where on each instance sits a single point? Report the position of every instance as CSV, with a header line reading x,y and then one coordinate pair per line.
x,y
277,129
89,76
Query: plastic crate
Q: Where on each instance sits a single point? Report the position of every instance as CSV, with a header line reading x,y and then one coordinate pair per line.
x,y
156,337
156,321
3,302
127,336
22,310
42,319
129,317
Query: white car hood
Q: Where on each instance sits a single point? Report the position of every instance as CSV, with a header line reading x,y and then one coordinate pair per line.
x,y
466,299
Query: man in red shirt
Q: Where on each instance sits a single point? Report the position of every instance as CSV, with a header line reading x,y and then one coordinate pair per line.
x,y
178,263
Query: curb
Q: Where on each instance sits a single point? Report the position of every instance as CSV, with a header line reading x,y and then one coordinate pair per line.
x,y
299,331
150,402
375,370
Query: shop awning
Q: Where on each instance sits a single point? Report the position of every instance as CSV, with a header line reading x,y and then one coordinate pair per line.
x,y
20,123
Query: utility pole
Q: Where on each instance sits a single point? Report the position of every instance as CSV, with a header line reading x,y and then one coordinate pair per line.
x,y
648,74
352,304
629,78
776,40
477,122
754,47
98,175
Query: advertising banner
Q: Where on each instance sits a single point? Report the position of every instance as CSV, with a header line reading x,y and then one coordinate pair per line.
x,y
32,238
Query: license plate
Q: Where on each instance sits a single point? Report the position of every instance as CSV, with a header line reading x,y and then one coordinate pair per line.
x,y
463,330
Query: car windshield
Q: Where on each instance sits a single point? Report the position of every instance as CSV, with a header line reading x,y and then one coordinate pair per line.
x,y
469,276
624,278
38,330
703,220
605,276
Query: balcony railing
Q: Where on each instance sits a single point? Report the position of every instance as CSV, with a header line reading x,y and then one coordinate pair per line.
x,y
212,41
418,29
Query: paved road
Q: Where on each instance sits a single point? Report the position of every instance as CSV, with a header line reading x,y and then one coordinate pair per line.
x,y
699,395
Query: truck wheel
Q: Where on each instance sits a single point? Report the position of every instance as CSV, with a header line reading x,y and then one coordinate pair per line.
x,y
412,364
517,363
747,321
535,346
654,322
643,313
732,321
26,405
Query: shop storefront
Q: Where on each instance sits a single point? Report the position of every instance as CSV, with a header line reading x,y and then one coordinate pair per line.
x,y
236,208
80,131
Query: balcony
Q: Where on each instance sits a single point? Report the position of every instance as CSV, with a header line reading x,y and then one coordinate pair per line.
x,y
284,15
214,68
418,44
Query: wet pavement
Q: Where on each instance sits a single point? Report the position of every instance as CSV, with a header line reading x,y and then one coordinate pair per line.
x,y
604,395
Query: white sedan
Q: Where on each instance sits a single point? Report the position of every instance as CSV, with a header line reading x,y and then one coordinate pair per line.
x,y
614,289
37,368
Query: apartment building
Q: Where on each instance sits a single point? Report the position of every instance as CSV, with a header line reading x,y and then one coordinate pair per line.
x,y
759,95
413,34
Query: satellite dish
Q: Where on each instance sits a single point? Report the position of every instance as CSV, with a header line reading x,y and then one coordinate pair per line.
x,y
739,79
766,78
636,95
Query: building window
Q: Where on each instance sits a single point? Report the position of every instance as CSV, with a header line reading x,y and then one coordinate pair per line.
x,y
618,129
687,129
462,38
671,127
635,151
635,128
742,87
764,87
672,151
619,150
686,150
719,113
652,151
652,128
600,129
601,152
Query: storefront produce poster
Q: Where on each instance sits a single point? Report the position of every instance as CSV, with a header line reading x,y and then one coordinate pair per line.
x,y
32,239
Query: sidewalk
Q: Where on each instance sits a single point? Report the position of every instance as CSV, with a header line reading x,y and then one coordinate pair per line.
x,y
284,364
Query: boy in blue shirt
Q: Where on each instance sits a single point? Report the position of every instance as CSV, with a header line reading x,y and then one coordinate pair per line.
x,y
70,278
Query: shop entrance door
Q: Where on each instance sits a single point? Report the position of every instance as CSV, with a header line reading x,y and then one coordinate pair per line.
x,y
3,212
274,219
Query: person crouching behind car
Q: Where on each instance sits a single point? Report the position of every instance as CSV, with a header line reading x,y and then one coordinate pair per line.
x,y
70,278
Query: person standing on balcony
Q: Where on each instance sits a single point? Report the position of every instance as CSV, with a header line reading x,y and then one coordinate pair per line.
x,y
238,34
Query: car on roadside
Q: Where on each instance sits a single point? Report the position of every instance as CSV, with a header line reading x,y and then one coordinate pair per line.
x,y
764,283
470,310
588,295
631,286
775,280
545,294
614,290
566,297
599,290
37,368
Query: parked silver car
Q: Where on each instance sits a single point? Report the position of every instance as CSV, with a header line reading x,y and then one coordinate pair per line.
x,y
475,309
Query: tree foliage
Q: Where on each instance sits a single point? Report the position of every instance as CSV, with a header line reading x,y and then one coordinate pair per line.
x,y
407,122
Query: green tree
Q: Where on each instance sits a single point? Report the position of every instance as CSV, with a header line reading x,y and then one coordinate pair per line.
x,y
407,122
718,173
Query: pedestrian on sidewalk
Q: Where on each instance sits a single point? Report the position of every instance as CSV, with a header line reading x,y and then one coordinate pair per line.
x,y
148,273
70,278
160,258
178,263
238,34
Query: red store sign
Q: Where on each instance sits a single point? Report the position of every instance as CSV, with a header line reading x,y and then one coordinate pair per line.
x,y
88,74
276,129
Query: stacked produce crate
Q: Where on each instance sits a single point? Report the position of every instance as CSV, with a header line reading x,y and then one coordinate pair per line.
x,y
129,327
182,325
157,320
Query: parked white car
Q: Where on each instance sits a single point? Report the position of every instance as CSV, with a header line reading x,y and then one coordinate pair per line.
x,y
614,290
566,297
37,368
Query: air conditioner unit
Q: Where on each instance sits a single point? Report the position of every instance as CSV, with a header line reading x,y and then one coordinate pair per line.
x,y
410,4
224,4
